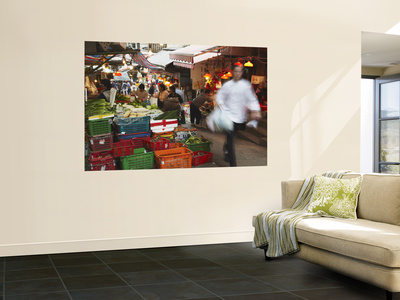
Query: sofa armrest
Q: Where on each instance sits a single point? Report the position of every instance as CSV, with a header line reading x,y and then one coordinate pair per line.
x,y
290,191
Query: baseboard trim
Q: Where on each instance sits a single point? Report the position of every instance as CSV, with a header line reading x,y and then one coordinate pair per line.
x,y
124,243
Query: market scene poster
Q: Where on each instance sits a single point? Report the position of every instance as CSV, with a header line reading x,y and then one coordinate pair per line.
x,y
158,106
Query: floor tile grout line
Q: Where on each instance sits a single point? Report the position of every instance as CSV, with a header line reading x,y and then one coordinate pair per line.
x,y
182,275
59,276
191,281
131,287
255,278
326,278
225,266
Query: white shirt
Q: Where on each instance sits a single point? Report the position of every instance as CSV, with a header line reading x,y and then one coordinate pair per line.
x,y
180,93
236,97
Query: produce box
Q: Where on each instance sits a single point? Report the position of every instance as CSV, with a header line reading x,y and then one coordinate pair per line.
x,y
101,161
141,159
205,146
132,125
103,166
99,126
182,134
101,143
173,158
128,136
126,147
163,125
195,143
201,157
169,135
155,143
175,145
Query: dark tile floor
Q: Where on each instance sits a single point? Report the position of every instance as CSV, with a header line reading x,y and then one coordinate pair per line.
x,y
208,272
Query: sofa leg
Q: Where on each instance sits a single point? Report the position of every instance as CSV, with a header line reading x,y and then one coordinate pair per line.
x,y
265,255
389,295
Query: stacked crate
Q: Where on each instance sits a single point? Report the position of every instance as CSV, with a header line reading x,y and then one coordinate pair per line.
x,y
130,134
100,140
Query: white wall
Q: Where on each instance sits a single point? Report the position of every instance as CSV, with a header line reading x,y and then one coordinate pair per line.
x,y
367,126
50,204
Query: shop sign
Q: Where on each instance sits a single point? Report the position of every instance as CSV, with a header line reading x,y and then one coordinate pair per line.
x,y
257,79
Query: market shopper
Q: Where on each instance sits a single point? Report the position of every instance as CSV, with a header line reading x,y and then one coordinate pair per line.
x,y
161,95
151,90
174,94
236,97
261,92
195,113
141,93
179,91
106,85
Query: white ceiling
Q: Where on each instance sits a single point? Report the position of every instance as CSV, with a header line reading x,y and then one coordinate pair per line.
x,y
380,50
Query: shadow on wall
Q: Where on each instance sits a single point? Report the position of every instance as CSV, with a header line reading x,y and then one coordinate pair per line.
x,y
321,122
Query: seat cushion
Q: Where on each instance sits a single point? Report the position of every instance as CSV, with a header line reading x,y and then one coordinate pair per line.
x,y
370,241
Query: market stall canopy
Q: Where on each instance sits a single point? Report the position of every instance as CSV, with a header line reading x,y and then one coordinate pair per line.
x,y
106,48
188,56
161,58
142,61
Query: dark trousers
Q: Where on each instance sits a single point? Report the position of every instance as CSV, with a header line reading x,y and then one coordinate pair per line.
x,y
195,114
229,149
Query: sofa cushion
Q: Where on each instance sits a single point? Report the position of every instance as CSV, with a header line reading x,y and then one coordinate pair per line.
x,y
335,197
379,198
362,239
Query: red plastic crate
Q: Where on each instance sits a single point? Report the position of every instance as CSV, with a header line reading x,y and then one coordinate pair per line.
x,y
101,142
101,157
155,143
201,157
104,167
101,161
126,147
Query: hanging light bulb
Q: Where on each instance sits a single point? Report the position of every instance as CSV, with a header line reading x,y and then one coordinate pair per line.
x,y
239,64
224,77
248,64
207,75
228,74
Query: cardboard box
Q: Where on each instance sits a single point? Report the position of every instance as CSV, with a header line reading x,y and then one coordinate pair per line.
x,y
163,125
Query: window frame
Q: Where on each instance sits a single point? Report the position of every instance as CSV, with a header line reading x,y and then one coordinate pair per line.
x,y
377,121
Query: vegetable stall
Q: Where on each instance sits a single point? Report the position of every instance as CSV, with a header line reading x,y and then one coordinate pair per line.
x,y
136,135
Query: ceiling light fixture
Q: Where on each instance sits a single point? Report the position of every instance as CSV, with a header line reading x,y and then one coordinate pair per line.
x,y
248,64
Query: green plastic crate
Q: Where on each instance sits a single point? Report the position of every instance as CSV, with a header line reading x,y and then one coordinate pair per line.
x,y
139,160
200,147
98,127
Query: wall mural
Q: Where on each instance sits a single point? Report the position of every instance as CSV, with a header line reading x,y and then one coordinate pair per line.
x,y
163,106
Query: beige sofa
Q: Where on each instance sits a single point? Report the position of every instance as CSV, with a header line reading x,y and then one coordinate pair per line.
x,y
368,248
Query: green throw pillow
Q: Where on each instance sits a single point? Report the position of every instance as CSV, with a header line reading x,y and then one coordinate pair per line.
x,y
335,197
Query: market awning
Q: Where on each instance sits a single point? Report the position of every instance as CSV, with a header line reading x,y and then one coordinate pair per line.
x,y
161,58
141,60
188,56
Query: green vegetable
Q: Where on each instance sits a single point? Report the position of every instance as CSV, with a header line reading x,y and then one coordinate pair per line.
x,y
173,114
